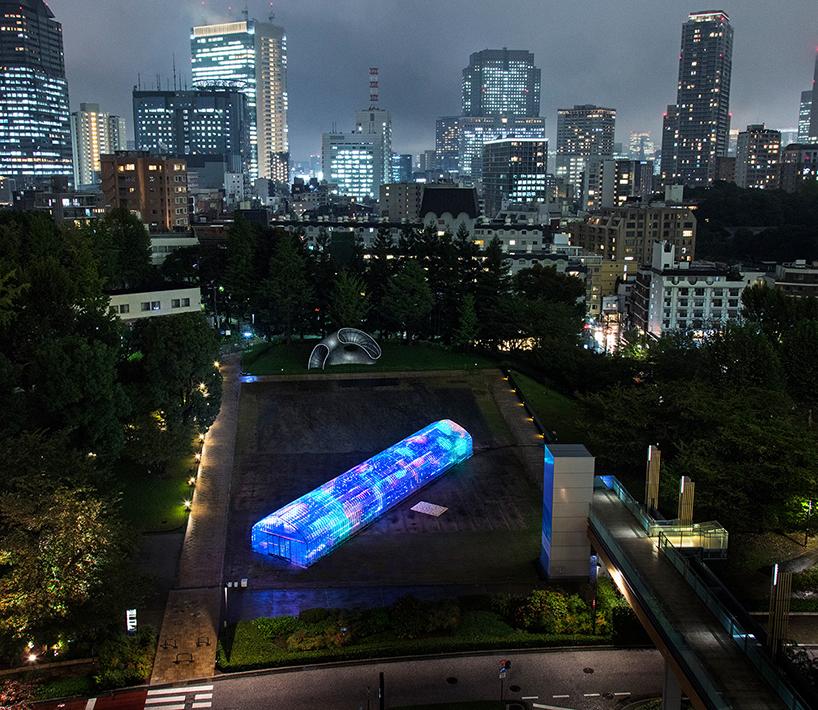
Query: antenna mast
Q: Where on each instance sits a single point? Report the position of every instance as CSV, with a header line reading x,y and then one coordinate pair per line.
x,y
374,87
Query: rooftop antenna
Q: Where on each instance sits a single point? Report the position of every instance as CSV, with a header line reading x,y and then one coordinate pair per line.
x,y
272,15
174,71
158,82
374,87
139,81
245,13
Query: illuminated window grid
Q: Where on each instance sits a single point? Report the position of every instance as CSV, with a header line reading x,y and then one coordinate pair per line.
x,y
313,525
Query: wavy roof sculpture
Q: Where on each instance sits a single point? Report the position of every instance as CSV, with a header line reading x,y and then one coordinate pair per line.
x,y
347,346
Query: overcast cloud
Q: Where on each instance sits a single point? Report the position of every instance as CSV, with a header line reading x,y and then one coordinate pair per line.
x,y
619,53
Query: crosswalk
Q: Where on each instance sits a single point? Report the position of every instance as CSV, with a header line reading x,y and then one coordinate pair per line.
x,y
191,697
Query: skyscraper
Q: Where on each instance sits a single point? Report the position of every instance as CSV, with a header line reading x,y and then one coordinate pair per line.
x,y
250,56
501,82
701,120
641,146
200,122
758,157
582,131
804,116
514,171
35,127
808,111
94,133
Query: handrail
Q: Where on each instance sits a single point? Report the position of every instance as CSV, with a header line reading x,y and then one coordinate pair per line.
x,y
747,642
692,666
710,536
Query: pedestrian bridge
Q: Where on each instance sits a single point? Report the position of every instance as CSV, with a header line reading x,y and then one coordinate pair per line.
x,y
710,657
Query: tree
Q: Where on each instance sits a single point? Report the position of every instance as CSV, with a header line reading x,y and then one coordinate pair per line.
x,y
240,278
173,384
59,342
492,286
58,536
378,276
123,249
286,293
546,283
468,326
182,266
408,300
349,301
799,358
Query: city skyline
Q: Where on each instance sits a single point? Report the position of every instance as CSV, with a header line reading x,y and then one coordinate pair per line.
x,y
421,67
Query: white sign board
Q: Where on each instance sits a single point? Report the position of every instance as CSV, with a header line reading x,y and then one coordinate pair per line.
x,y
429,509
130,621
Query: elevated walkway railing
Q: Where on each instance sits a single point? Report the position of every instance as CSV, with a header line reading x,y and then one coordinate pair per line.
x,y
710,537
675,642
746,641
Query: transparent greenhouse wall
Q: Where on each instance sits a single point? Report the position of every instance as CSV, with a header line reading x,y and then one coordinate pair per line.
x,y
311,526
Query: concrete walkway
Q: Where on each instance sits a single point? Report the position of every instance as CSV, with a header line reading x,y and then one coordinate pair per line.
x,y
190,628
730,670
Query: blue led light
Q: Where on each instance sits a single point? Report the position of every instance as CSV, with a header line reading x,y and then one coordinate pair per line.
x,y
311,526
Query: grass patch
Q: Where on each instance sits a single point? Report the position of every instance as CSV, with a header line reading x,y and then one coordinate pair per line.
x,y
557,412
67,687
153,503
283,359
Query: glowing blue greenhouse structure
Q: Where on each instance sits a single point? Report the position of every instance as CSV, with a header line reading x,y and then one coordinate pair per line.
x,y
313,525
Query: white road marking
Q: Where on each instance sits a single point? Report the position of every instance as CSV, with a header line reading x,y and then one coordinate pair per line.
x,y
549,707
90,704
530,697
560,696
189,689
203,696
170,707
591,695
621,694
202,705
165,699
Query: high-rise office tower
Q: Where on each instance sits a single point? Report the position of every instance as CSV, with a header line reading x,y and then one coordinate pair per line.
x,y
200,122
94,133
808,111
758,154
582,131
447,132
35,126
701,120
514,170
804,116
250,56
641,146
401,167
612,182
501,82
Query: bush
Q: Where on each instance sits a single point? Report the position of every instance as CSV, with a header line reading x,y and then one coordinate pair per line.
x,y
276,626
544,610
70,686
413,619
317,616
626,629
126,660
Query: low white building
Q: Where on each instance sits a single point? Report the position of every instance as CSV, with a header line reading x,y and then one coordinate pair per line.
x,y
164,244
132,305
688,296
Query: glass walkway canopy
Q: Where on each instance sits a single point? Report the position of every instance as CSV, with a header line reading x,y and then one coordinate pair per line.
x,y
311,526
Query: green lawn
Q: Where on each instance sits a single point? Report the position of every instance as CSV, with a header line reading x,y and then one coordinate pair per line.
x,y
279,358
154,503
556,411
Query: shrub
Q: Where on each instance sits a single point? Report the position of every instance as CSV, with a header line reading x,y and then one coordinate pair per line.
x,y
276,626
413,619
544,610
371,622
126,660
626,629
305,640
317,616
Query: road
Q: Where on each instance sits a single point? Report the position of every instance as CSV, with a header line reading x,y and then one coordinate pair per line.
x,y
584,680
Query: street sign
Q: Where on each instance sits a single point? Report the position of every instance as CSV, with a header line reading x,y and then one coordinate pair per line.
x,y
130,621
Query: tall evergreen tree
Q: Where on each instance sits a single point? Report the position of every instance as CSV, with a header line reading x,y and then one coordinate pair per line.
x,y
286,293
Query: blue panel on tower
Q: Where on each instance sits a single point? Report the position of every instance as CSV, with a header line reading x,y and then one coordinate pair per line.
x,y
547,512
311,526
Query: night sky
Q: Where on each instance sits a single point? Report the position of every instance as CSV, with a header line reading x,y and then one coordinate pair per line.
x,y
618,53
